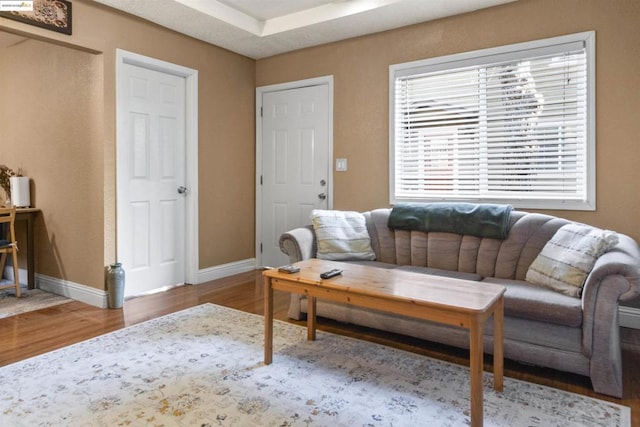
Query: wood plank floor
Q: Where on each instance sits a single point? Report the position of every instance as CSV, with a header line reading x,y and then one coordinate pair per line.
x,y
29,334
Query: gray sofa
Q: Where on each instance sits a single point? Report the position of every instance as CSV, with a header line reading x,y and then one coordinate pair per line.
x,y
542,327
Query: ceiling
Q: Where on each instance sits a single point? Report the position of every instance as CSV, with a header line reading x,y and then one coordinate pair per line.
x,y
263,28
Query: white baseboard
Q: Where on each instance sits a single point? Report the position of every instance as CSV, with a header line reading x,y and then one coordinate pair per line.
x,y
629,317
226,270
98,298
76,291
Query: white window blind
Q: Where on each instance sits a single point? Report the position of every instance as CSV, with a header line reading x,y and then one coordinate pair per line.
x,y
508,125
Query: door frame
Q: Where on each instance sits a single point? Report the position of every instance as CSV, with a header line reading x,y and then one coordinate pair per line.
x,y
190,75
260,91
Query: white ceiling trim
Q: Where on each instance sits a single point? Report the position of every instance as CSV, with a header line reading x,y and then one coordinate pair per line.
x,y
279,24
227,14
263,28
324,13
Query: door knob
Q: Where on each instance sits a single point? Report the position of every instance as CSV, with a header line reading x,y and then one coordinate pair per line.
x,y
182,190
322,196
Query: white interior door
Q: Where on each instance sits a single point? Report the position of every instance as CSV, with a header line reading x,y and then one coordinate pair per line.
x,y
151,178
296,169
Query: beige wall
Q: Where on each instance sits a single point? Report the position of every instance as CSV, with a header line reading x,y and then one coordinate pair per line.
x,y
81,157
361,68
50,112
74,167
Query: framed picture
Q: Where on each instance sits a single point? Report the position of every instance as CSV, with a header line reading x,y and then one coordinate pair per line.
x,y
53,15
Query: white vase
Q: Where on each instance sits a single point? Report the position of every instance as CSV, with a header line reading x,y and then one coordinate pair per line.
x,y
20,194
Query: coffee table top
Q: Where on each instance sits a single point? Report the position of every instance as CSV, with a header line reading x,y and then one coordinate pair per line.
x,y
420,289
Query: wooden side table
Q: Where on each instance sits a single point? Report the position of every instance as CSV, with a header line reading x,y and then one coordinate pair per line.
x,y
28,215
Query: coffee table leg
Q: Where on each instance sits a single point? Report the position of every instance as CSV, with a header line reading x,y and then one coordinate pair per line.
x,y
311,318
268,321
498,346
476,368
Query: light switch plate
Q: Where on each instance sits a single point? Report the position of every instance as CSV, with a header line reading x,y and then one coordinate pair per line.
x,y
341,165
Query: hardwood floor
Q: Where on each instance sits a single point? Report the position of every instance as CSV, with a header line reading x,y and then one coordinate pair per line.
x,y
29,334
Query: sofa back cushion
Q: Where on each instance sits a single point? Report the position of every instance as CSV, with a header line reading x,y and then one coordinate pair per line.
x,y
505,259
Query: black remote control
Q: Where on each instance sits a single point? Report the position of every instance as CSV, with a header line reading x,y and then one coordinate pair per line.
x,y
331,273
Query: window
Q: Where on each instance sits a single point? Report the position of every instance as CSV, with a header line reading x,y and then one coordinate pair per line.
x,y
513,124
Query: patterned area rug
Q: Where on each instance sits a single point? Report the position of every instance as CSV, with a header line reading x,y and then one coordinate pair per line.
x,y
203,366
32,299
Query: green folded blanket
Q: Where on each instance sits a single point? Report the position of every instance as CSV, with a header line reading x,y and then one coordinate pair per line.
x,y
482,220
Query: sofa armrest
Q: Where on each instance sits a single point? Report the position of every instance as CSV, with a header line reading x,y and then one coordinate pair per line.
x,y
623,260
299,244
614,278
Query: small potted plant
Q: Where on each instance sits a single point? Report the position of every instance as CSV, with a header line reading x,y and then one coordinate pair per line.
x,y
16,187
5,174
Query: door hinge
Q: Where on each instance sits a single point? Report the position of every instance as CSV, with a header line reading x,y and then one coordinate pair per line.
x,y
261,112
260,179
260,247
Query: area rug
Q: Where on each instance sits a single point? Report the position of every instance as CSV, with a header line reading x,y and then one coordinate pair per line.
x,y
30,299
204,366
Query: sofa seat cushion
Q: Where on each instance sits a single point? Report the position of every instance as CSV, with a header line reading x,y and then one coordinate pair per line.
x,y
539,334
525,300
422,270
376,264
439,272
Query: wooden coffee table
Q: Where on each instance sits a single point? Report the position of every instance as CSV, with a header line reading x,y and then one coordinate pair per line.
x,y
445,300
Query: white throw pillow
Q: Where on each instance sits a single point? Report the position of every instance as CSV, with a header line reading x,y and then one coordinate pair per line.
x,y
567,259
342,235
